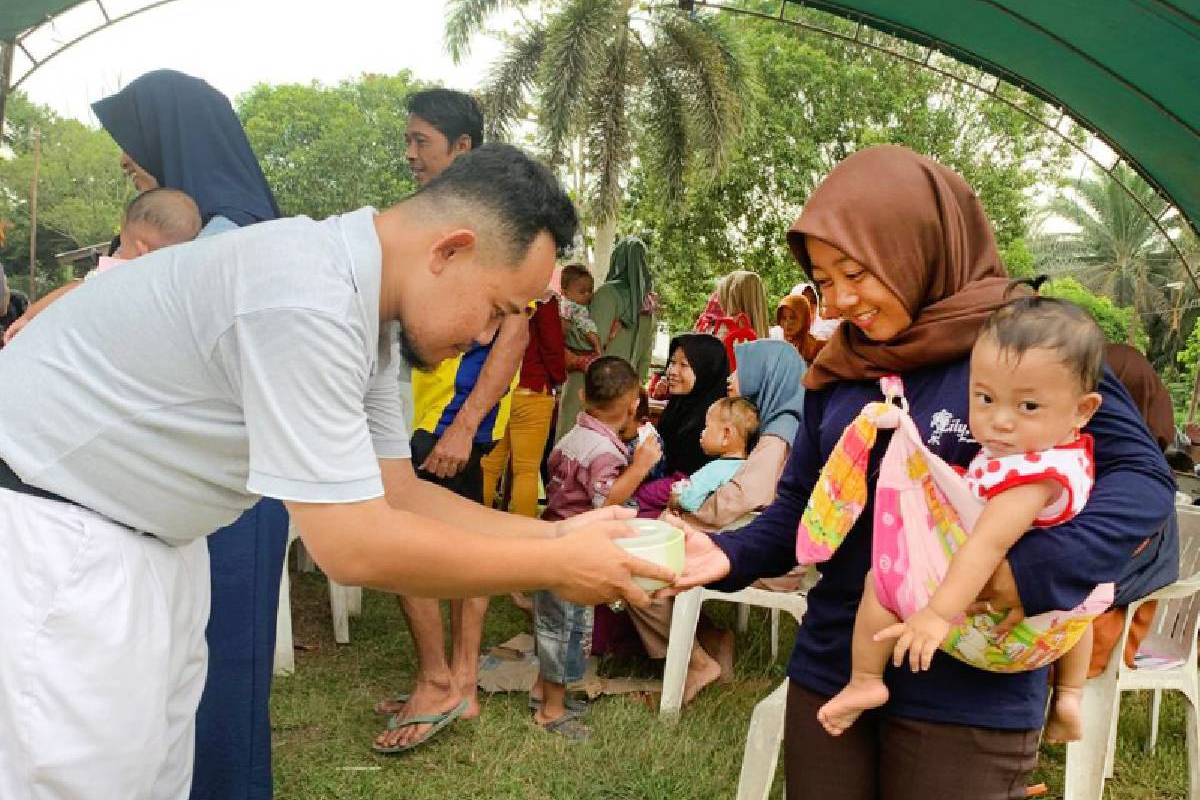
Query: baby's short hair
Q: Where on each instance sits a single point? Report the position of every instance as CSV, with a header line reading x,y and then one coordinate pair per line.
x,y
572,273
1053,324
741,413
170,213
608,379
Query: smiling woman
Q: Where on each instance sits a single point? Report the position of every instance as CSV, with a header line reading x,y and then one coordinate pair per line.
x,y
905,252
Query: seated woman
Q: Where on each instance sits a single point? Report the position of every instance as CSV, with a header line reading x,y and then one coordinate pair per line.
x,y
768,374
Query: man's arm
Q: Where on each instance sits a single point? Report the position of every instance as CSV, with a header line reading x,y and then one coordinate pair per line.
x,y
38,307
406,492
453,449
372,544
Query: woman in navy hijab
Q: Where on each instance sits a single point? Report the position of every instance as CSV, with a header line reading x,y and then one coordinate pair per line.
x,y
178,132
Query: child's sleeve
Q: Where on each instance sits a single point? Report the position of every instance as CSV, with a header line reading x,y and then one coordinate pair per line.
x,y
602,473
766,547
695,490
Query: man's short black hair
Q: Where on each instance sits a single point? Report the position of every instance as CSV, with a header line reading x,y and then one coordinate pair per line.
x,y
452,113
607,380
522,194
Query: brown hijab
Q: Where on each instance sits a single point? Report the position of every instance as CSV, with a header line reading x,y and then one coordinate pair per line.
x,y
798,304
920,229
1146,388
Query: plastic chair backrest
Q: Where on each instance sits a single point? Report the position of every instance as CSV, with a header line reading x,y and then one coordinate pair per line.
x,y
1177,619
739,330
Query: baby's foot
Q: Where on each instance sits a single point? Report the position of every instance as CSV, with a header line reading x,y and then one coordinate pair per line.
x,y
861,694
1066,716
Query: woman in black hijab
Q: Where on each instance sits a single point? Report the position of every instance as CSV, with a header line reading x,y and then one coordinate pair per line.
x,y
178,132
696,378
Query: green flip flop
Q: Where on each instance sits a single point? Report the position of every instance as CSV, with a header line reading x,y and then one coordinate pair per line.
x,y
400,698
435,721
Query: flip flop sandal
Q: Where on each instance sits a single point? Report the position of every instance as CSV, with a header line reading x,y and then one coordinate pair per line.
x,y
567,726
435,721
400,698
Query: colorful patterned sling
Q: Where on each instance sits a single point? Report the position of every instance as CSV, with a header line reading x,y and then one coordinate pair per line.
x,y
923,514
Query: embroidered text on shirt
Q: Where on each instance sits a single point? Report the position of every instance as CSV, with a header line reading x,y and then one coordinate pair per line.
x,y
945,422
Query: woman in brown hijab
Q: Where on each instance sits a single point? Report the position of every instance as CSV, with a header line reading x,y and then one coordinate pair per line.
x,y
794,316
902,252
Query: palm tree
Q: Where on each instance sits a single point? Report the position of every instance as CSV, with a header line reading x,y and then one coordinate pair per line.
x,y
1116,248
596,71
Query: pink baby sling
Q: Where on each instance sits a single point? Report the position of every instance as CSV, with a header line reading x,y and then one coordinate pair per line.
x,y
923,514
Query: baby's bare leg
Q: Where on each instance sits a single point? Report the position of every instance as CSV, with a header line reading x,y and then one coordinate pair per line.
x,y
866,689
1066,712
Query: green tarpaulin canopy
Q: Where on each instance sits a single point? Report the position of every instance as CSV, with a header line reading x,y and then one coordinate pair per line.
x,y
20,15
1127,69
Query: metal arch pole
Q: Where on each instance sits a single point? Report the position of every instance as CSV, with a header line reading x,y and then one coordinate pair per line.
x,y
109,22
977,86
6,62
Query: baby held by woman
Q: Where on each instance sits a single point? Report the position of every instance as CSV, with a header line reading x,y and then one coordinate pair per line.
x,y
1035,369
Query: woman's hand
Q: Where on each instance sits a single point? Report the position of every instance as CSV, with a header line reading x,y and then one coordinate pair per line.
x,y
704,561
1000,595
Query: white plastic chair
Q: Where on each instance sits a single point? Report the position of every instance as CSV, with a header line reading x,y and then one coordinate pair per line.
x,y
684,619
763,740
1173,635
344,602
686,615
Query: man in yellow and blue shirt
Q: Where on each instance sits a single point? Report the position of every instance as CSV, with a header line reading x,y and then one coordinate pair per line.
x,y
460,411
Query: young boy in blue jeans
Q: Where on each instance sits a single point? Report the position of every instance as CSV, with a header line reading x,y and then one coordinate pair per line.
x,y
590,467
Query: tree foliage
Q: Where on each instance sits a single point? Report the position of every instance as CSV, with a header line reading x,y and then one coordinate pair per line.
x,y
1115,249
82,192
1114,321
329,149
607,77
815,101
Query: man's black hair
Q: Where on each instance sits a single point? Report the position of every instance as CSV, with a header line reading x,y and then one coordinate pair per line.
x,y
607,380
521,192
452,113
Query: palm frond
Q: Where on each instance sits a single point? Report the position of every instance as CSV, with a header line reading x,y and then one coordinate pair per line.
x,y
575,43
666,128
698,60
465,18
608,140
510,80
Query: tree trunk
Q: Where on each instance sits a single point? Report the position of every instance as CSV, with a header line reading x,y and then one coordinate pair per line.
x,y
606,232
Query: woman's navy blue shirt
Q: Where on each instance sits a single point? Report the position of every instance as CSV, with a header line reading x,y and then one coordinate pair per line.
x,y
1055,568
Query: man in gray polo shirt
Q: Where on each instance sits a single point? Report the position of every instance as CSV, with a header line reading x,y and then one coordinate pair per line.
x,y
155,407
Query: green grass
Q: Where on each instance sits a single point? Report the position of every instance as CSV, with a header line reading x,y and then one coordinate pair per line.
x,y
323,726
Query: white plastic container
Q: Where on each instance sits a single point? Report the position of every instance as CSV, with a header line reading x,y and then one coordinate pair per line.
x,y
657,542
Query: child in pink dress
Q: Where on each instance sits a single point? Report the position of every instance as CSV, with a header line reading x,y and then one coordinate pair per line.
x,y
1035,368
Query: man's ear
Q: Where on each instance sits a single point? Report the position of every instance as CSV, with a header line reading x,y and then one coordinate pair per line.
x,y
451,246
461,145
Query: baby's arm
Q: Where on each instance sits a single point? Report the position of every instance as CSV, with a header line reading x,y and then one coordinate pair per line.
x,y
1004,520
594,340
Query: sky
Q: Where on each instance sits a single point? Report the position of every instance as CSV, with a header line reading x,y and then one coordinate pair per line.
x,y
235,44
